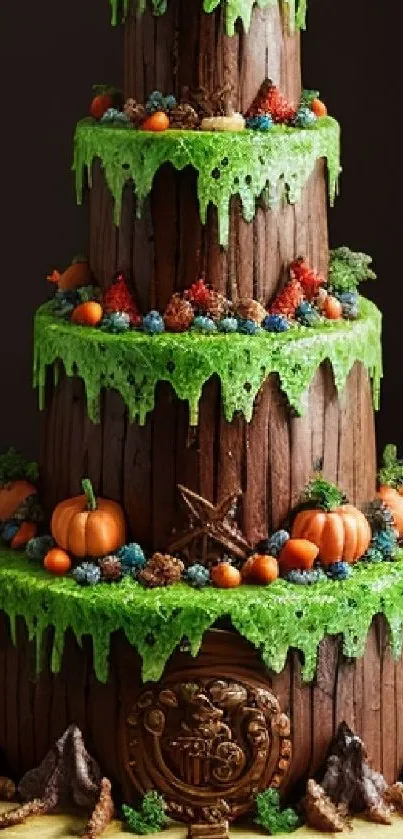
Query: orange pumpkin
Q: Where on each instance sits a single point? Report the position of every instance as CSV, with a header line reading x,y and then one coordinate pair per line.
x,y
57,562
87,314
394,501
261,569
12,495
158,121
319,108
88,526
224,575
297,555
342,534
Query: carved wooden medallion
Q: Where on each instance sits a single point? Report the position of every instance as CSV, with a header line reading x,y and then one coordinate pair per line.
x,y
207,745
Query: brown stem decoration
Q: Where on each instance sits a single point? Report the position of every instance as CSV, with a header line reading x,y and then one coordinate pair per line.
x,y
103,812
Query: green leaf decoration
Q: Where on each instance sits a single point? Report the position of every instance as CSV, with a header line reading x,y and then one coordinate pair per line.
x,y
347,269
391,473
269,815
322,494
234,10
14,467
150,818
277,163
274,618
133,363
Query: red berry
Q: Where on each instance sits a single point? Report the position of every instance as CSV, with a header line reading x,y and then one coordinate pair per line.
x,y
100,104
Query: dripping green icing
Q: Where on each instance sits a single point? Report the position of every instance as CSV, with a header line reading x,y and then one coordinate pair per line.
x,y
133,363
273,618
249,164
234,10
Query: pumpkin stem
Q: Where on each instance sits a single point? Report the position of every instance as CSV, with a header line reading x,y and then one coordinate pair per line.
x,y
391,473
322,494
89,493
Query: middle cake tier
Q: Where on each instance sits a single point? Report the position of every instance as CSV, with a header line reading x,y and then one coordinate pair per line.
x,y
217,414
233,208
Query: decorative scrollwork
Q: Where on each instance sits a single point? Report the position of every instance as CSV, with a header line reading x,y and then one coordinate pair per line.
x,y
208,744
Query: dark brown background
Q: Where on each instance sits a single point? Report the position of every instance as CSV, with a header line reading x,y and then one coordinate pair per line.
x,y
51,54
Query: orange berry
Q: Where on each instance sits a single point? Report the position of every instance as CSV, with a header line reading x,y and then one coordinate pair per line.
x,y
57,562
297,555
260,569
332,308
27,531
224,575
158,121
319,108
87,314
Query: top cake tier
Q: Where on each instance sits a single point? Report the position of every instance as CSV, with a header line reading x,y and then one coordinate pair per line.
x,y
172,45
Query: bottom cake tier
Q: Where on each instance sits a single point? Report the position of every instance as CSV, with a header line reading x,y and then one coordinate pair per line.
x,y
136,731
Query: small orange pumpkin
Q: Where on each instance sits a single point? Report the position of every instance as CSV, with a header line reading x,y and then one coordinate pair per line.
x,y
57,562
332,308
12,495
342,535
319,108
339,530
394,501
87,314
261,569
391,485
297,555
158,121
88,526
224,575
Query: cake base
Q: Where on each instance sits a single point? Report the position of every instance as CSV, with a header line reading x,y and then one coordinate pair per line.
x,y
35,710
71,826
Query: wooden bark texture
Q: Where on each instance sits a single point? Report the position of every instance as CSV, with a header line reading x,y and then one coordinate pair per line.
x,y
168,248
35,709
187,48
270,459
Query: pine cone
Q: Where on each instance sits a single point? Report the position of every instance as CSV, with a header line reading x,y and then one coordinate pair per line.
x,y
287,301
217,305
250,309
184,117
161,570
178,315
136,113
379,515
111,569
30,510
319,810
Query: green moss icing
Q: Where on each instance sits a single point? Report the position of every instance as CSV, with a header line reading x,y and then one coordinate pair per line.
x,y
133,362
234,10
249,163
274,619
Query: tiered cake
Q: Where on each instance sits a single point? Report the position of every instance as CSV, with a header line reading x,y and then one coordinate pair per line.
x,y
227,424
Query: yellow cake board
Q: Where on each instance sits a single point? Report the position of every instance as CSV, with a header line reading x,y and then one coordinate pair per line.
x,y
72,827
